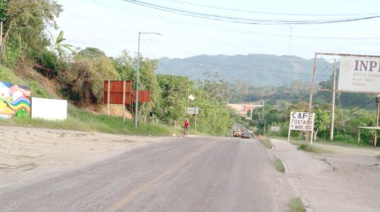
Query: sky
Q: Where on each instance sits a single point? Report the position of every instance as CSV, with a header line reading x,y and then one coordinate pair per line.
x,y
114,26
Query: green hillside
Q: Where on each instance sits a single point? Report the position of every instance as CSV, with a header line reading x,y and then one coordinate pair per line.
x,y
257,69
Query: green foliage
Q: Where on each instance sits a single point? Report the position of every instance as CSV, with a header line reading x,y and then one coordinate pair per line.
x,y
84,80
173,97
22,113
85,121
7,75
90,53
297,205
279,165
26,21
312,148
37,91
58,47
266,142
12,54
124,66
48,63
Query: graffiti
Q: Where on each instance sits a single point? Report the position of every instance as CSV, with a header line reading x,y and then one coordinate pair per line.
x,y
14,100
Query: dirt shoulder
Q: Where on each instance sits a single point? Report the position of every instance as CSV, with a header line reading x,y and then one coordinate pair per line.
x,y
345,180
28,154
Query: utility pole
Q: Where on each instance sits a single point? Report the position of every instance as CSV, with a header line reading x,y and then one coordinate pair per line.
x,y
188,91
333,104
377,118
137,75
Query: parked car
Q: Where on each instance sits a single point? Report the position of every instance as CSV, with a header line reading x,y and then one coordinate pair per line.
x,y
245,134
237,133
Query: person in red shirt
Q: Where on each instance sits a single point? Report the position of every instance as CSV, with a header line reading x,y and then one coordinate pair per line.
x,y
186,126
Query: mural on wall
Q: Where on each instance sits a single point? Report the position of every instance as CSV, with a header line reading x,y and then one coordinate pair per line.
x,y
14,100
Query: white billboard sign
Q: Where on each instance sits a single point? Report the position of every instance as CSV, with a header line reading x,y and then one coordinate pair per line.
x,y
359,74
300,121
49,109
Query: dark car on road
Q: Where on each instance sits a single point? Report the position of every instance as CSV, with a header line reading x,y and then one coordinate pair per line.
x,y
245,134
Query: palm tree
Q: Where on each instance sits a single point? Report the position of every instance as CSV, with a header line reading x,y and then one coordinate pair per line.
x,y
58,47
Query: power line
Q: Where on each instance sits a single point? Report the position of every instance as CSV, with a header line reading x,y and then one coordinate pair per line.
x,y
241,20
269,13
363,105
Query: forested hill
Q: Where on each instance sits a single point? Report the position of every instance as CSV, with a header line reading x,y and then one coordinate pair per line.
x,y
257,69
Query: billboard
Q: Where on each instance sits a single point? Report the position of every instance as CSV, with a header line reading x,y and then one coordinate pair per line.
x,y
14,100
359,74
49,109
300,121
116,92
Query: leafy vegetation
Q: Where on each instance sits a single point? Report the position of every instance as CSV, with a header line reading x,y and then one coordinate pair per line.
x,y
311,148
279,165
86,121
266,142
297,205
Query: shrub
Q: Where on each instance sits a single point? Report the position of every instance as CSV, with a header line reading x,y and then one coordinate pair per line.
x,y
266,142
279,165
297,205
84,80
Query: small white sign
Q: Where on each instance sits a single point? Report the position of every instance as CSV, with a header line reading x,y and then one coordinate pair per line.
x,y
192,110
359,74
300,121
275,128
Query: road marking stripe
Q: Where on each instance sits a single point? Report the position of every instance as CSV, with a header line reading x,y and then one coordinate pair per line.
x,y
134,193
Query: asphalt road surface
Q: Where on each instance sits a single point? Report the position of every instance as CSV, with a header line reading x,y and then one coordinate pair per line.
x,y
189,174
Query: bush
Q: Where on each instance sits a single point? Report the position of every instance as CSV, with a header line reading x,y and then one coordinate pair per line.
x,y
37,91
84,80
297,205
266,142
6,75
279,165
48,63
11,55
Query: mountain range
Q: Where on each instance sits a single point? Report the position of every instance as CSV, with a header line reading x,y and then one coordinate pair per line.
x,y
257,69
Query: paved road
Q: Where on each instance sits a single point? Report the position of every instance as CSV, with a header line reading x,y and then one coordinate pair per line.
x,y
191,174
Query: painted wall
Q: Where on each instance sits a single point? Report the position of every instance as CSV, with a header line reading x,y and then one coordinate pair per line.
x,y
14,100
49,109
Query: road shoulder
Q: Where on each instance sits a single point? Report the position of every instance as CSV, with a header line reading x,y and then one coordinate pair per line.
x,y
345,180
30,154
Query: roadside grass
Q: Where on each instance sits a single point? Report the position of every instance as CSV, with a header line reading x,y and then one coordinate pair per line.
x,y
378,157
297,205
266,142
279,165
337,142
312,148
309,147
80,120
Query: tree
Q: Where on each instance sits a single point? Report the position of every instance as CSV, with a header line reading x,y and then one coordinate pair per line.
x,y
58,47
90,53
216,88
27,21
322,121
124,66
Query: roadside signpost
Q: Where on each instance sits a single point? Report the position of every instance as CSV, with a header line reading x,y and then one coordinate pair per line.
x,y
301,121
193,111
